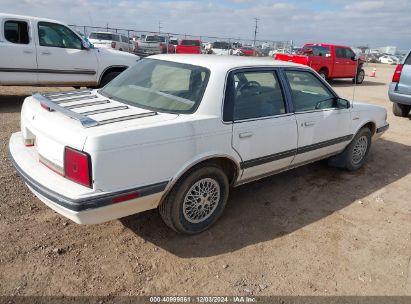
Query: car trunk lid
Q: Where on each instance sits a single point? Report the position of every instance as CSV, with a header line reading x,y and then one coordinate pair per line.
x,y
52,121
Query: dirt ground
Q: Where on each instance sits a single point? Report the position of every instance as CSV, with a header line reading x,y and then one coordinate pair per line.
x,y
310,231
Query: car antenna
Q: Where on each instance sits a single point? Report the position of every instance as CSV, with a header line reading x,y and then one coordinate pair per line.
x,y
355,80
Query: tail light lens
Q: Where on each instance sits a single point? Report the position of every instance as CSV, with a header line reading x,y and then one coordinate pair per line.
x,y
397,74
77,166
113,44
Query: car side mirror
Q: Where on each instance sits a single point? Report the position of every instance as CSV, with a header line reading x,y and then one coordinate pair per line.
x,y
343,103
354,58
86,45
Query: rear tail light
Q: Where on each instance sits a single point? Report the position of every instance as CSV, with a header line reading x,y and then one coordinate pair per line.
x,y
77,166
113,44
397,74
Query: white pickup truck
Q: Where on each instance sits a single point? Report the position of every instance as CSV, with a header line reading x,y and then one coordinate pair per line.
x,y
36,51
176,131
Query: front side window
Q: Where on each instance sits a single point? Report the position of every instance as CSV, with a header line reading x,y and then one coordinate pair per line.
x,y
308,92
160,85
16,32
257,94
57,35
340,52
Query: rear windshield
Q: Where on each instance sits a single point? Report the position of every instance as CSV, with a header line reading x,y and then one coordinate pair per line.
x,y
221,45
155,39
101,36
159,85
316,50
190,42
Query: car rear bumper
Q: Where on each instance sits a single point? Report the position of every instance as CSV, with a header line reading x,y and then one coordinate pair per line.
x,y
85,209
397,97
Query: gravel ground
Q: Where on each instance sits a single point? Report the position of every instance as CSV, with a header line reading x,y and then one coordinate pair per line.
x,y
310,231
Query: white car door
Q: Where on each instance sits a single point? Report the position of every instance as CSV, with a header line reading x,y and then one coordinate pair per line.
x,y
323,120
18,63
61,57
264,132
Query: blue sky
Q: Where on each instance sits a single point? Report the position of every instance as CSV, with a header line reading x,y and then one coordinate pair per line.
x,y
352,22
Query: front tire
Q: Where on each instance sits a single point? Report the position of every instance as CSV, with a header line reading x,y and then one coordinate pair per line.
x,y
197,201
400,109
360,77
355,155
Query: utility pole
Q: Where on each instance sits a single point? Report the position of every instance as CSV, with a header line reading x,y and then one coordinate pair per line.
x,y
255,29
159,27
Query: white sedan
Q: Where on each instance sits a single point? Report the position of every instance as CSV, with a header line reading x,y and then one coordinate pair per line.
x,y
177,131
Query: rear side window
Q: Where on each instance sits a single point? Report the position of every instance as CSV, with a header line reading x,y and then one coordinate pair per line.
x,y
408,60
101,36
308,92
257,94
16,32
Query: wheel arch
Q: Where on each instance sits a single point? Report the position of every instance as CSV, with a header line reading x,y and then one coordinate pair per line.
x,y
113,68
369,124
228,164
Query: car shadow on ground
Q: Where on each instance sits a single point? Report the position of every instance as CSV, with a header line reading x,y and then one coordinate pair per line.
x,y
348,83
278,205
11,103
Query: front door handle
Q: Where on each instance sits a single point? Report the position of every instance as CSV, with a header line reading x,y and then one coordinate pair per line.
x,y
28,51
309,123
245,134
45,53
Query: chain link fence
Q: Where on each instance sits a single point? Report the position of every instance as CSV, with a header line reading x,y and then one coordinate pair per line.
x,y
268,47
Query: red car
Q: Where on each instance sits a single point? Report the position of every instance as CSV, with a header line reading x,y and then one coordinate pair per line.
x,y
187,46
329,60
249,51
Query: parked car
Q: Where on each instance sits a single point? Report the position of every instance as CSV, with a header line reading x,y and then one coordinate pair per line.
x,y
37,51
387,59
110,40
154,44
329,60
221,48
176,131
400,88
248,51
189,46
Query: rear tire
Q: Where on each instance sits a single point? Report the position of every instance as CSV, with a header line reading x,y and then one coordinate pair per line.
x,y
400,109
355,155
107,78
196,201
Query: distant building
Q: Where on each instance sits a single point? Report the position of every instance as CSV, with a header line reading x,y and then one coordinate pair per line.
x,y
392,50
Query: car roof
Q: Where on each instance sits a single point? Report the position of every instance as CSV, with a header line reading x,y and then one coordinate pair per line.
x,y
228,62
3,15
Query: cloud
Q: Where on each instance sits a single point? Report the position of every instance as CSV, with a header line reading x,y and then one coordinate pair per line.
x,y
373,23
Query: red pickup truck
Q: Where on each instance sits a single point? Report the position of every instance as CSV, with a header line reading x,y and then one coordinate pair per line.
x,y
329,60
189,47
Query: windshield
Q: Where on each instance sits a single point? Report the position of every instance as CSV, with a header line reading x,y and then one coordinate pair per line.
x,y
160,85
101,36
155,39
190,42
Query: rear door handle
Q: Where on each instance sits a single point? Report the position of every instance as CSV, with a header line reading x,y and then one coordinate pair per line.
x,y
309,123
28,52
245,134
